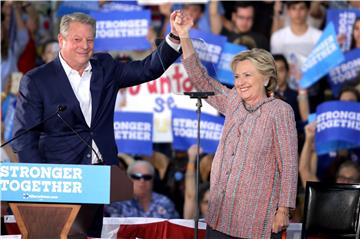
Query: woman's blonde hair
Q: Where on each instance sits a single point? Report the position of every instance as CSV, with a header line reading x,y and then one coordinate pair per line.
x,y
263,62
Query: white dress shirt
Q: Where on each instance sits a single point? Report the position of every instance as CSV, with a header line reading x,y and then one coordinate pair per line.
x,y
81,88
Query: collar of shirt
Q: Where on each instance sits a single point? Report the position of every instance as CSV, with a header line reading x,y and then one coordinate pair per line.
x,y
68,70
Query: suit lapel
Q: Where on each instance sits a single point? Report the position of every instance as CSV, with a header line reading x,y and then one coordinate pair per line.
x,y
95,89
63,84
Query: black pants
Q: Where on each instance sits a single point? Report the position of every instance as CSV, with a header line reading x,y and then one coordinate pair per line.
x,y
213,234
88,222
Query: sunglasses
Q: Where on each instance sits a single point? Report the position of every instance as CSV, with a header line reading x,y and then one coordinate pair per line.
x,y
139,176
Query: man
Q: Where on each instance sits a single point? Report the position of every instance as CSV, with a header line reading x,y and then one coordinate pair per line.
x,y
242,19
145,203
82,87
297,40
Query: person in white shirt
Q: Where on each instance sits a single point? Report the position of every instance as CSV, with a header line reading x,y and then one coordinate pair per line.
x,y
297,40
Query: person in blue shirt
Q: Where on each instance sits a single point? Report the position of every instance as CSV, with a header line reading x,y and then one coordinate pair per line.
x,y
145,202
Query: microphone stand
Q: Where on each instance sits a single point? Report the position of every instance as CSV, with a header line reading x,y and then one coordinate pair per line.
x,y
60,108
198,96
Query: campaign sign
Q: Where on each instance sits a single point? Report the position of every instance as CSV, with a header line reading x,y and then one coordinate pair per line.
x,y
121,32
185,130
325,55
56,183
121,6
343,21
224,72
208,46
67,7
133,132
346,71
337,126
8,111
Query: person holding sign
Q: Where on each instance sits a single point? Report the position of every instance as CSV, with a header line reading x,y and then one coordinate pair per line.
x,y
70,101
254,172
347,171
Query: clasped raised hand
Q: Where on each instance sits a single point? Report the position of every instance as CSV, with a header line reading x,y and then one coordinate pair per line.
x,y
183,23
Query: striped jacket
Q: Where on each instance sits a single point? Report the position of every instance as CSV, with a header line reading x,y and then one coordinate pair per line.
x,y
255,168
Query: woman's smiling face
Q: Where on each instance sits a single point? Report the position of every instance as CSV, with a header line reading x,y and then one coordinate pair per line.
x,y
249,82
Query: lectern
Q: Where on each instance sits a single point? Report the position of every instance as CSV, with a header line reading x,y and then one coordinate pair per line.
x,y
40,207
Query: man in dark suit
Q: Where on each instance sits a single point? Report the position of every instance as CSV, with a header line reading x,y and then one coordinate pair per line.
x,y
86,85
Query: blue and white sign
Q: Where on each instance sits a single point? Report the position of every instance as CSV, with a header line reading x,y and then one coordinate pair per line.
x,y
185,126
325,55
209,48
58,183
224,72
133,132
8,114
121,6
343,21
337,126
346,71
67,7
121,31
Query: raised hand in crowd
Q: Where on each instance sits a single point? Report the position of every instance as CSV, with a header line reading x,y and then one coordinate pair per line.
x,y
308,158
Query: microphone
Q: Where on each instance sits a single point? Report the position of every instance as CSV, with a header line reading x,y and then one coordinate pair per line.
x,y
99,160
200,95
60,108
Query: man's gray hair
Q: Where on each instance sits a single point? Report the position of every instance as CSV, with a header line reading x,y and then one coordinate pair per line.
x,y
142,162
76,17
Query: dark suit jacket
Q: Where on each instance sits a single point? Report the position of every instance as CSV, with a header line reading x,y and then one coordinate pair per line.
x,y
43,89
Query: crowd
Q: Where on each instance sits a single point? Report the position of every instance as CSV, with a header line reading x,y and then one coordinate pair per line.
x,y
164,184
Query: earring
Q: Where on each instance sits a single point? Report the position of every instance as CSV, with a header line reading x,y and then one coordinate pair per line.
x,y
266,83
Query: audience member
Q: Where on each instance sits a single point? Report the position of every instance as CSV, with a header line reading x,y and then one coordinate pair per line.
x,y
349,93
190,184
14,37
145,203
315,18
242,20
295,41
50,50
320,167
27,60
347,172
297,100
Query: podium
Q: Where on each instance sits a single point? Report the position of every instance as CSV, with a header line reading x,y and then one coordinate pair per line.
x,y
66,220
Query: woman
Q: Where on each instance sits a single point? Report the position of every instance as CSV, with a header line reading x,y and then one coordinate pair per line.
x,y
254,171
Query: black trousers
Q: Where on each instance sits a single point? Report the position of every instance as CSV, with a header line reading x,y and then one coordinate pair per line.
x,y
88,222
213,234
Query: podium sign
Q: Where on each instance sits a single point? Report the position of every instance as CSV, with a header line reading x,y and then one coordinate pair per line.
x,y
55,183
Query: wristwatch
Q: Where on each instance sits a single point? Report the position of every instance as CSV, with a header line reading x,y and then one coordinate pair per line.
x,y
174,36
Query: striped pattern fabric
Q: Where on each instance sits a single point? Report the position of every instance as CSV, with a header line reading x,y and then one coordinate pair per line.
x,y
255,168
